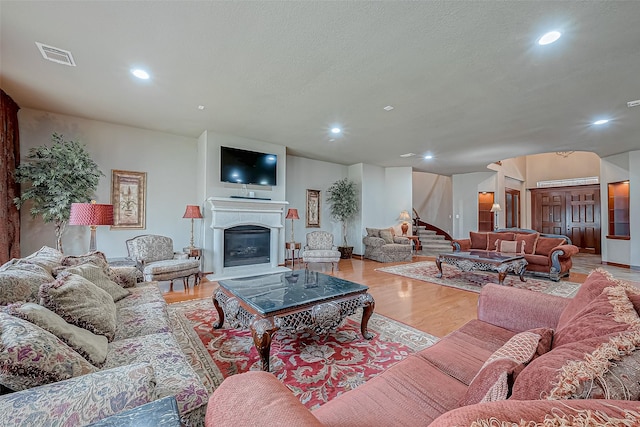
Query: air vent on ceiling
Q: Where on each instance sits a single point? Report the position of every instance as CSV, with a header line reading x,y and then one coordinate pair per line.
x,y
54,54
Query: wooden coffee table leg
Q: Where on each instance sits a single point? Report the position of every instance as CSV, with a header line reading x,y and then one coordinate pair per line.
x,y
262,330
439,265
367,310
501,276
216,304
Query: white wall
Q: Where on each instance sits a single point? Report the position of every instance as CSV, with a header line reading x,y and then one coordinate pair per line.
x,y
634,208
169,161
550,166
432,199
465,200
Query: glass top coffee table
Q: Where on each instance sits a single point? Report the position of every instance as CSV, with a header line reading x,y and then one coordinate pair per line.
x,y
501,263
290,302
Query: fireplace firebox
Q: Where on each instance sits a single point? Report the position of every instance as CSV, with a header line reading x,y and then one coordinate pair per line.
x,y
246,245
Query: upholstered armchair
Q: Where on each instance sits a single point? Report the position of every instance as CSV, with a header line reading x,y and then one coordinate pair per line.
x,y
383,246
156,259
320,248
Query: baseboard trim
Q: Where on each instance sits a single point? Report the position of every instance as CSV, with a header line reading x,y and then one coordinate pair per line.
x,y
615,264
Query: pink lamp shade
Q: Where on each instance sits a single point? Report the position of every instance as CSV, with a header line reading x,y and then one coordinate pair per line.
x,y
91,214
192,211
292,214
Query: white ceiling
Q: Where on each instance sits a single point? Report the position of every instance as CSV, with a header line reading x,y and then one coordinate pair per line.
x,y
467,80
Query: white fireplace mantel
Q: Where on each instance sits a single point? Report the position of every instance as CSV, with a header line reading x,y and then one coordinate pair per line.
x,y
231,212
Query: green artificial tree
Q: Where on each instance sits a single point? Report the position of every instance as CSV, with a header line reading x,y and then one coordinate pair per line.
x,y
58,176
343,202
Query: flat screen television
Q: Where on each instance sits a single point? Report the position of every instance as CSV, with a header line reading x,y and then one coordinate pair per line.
x,y
247,167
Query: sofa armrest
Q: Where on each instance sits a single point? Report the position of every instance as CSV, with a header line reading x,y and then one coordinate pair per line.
x,y
376,242
519,309
564,251
256,398
401,240
539,412
461,245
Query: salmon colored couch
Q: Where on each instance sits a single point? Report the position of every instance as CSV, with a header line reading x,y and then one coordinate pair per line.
x,y
548,255
465,378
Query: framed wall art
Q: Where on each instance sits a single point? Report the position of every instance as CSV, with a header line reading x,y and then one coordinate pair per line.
x,y
313,208
129,199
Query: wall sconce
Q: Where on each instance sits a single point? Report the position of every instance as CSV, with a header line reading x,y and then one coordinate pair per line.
x,y
91,214
495,208
192,212
292,214
404,217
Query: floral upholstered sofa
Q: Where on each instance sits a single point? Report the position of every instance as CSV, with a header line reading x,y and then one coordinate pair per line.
x,y
382,245
547,255
79,343
529,359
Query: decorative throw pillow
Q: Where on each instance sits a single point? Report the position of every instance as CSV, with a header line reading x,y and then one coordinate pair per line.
x,y
90,346
97,276
386,235
544,245
510,247
46,257
494,379
97,258
21,282
478,240
80,302
493,236
373,232
530,241
31,356
608,313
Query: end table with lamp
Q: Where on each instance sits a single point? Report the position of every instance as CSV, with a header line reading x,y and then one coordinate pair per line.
x,y
292,245
193,212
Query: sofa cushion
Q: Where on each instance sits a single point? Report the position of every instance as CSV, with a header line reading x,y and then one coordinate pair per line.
x,y
501,235
20,281
530,241
142,293
544,245
98,277
80,302
89,345
610,312
478,240
81,400
31,356
494,379
386,235
142,319
462,353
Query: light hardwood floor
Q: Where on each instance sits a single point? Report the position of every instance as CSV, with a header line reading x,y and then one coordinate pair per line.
x,y
431,308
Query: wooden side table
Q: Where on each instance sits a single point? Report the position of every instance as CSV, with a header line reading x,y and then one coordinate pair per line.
x,y
416,242
195,253
292,247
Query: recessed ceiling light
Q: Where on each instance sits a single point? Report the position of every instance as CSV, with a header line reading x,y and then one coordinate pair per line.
x,y
201,107
140,73
601,122
428,157
549,38
336,130
388,108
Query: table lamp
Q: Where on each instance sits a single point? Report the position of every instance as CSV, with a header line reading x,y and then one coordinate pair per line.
x,y
404,217
292,214
192,212
495,208
91,214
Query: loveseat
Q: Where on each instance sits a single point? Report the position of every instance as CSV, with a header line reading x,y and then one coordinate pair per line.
x,y
383,245
79,343
547,255
528,357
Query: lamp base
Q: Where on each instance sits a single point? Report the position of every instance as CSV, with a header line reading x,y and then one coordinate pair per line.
x,y
404,227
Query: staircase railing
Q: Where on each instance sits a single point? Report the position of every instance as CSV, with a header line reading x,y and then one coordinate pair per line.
x,y
420,223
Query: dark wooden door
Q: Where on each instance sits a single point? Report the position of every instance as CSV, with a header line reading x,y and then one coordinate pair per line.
x,y
583,218
572,211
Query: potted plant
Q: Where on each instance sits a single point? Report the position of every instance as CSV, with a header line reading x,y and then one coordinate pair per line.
x,y
59,175
343,203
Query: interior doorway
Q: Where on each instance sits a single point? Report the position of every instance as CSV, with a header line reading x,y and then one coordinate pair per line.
x,y
485,216
512,207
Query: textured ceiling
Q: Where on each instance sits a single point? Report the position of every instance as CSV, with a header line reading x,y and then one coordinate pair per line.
x,y
468,83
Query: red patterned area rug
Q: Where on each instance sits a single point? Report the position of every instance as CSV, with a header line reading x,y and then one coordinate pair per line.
x,y
315,368
474,280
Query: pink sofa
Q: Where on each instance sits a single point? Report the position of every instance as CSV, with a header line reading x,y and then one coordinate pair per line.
x,y
461,379
548,255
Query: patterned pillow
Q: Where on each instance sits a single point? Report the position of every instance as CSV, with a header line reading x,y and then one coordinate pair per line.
x,y
386,235
494,379
502,235
97,258
46,257
373,232
90,346
21,281
510,247
31,356
80,302
97,276
82,400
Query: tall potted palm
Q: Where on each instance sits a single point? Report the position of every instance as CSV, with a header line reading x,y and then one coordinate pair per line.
x,y
343,203
58,176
